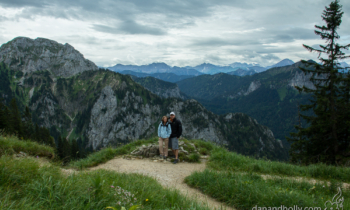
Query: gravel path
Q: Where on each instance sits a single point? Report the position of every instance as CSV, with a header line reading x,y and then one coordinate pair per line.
x,y
167,174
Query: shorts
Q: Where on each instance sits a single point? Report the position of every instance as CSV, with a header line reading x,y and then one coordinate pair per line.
x,y
173,143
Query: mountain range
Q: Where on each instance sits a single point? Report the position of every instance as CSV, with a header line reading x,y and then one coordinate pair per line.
x,y
169,77
155,68
242,69
269,96
72,97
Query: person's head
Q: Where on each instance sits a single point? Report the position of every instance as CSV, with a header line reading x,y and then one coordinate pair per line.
x,y
172,115
164,119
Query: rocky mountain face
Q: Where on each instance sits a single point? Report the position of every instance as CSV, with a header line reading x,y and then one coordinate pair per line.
x,y
101,107
28,56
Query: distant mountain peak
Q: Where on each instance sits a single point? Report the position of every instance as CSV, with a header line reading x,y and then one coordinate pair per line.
x,y
284,62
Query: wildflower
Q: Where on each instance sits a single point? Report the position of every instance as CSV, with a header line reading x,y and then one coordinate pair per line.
x,y
146,199
37,156
119,203
135,199
112,186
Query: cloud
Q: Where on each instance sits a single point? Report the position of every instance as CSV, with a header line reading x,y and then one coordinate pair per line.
x,y
177,32
129,27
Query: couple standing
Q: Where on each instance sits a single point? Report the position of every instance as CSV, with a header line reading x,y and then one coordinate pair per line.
x,y
169,132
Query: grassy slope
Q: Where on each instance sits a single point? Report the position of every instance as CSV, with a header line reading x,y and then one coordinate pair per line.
x,y
235,179
11,144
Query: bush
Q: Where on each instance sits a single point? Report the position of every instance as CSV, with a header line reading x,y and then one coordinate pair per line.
x,y
194,158
204,151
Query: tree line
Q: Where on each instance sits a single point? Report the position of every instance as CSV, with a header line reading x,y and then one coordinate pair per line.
x,y
13,122
326,138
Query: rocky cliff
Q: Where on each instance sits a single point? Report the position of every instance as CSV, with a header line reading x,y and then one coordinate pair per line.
x,y
101,107
28,55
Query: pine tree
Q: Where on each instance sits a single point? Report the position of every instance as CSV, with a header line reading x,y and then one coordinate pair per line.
x,y
74,149
322,141
16,118
3,118
28,128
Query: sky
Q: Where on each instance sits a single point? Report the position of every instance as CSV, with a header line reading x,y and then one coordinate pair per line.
x,y
179,33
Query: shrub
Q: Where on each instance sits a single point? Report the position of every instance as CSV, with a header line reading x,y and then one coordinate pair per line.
x,y
194,158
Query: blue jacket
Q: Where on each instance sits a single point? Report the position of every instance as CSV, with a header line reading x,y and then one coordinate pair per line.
x,y
164,131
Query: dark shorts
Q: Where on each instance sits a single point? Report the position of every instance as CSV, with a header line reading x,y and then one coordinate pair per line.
x,y
173,143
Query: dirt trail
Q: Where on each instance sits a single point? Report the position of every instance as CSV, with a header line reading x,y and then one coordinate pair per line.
x,y
167,174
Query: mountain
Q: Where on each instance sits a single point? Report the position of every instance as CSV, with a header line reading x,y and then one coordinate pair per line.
x,y
100,107
168,77
155,68
28,56
344,64
208,68
269,96
241,65
241,72
159,87
284,62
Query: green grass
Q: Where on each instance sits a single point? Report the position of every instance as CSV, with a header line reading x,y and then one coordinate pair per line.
x,y
109,153
11,144
25,185
245,191
223,160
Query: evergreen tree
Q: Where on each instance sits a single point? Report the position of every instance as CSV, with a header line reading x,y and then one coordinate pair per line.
x,y
28,128
3,118
322,140
16,122
60,147
74,149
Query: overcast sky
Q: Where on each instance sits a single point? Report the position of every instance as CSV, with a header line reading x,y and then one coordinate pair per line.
x,y
178,33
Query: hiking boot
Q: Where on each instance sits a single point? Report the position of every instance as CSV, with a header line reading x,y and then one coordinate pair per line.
x,y
165,157
175,161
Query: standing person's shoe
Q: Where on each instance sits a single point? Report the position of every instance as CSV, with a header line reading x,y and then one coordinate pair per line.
x,y
175,161
161,156
165,157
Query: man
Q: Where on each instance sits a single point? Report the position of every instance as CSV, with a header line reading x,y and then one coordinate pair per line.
x,y
176,131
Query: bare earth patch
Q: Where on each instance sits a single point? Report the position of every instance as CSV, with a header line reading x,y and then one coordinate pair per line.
x,y
167,174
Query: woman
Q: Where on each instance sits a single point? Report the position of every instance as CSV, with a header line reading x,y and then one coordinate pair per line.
x,y
164,131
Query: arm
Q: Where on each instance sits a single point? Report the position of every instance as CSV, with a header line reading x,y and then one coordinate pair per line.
x,y
180,129
169,130
159,130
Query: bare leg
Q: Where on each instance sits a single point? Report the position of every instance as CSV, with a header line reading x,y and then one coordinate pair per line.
x,y
176,153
